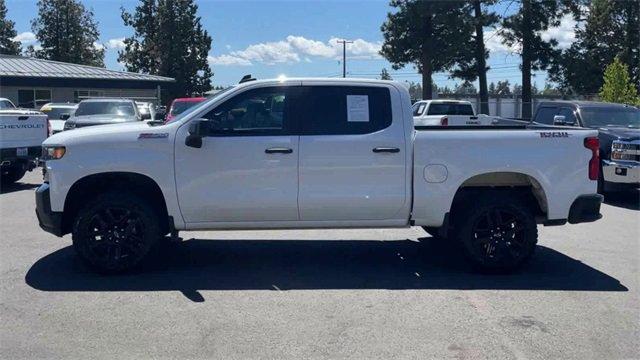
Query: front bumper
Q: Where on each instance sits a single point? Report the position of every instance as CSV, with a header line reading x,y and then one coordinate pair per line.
x,y
622,172
50,221
586,208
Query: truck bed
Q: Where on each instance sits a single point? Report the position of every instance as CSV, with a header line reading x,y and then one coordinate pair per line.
x,y
551,159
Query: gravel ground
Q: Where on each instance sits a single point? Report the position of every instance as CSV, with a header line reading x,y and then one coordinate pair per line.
x,y
346,294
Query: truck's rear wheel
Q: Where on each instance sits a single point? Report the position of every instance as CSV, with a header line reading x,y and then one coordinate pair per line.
x,y
114,232
499,234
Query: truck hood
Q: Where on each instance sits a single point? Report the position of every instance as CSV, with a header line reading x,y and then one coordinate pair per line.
x,y
104,134
99,120
622,133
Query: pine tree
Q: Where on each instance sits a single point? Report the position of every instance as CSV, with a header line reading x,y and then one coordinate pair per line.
x,y
427,34
523,30
472,64
169,41
384,75
7,33
609,29
617,85
67,32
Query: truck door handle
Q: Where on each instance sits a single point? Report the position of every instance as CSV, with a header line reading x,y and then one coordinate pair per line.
x,y
386,150
278,150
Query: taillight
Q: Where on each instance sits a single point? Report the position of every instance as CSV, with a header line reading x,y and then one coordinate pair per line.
x,y
593,144
444,121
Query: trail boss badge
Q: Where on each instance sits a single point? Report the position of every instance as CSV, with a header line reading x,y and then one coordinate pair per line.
x,y
554,134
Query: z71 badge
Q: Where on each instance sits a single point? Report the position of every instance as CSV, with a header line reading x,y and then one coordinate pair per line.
x,y
554,134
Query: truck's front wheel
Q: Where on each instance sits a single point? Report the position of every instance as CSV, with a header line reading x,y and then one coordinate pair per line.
x,y
115,231
498,234
10,175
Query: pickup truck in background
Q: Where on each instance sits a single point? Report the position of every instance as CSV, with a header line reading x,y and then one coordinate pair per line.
x,y
102,111
448,113
57,113
618,128
21,135
314,153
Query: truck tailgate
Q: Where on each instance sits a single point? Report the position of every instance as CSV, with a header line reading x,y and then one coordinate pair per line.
x,y
22,130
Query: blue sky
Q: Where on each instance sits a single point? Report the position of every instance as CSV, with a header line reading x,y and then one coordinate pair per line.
x,y
294,38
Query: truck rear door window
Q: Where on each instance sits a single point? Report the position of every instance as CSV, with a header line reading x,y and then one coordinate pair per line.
x,y
326,110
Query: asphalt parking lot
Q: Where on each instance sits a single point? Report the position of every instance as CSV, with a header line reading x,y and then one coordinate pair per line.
x,y
347,294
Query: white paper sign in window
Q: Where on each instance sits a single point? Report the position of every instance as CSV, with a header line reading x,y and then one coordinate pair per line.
x,y
358,108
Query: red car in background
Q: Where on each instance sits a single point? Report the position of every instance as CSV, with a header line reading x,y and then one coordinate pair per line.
x,y
179,105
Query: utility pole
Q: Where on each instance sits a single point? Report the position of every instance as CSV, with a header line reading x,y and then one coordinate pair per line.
x,y
344,56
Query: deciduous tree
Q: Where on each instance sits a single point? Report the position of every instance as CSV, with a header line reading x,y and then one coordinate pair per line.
x,y
617,86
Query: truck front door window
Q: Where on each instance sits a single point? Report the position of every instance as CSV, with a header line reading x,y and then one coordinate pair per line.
x,y
259,111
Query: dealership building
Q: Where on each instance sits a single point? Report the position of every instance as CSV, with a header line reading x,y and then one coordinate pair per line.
x,y
31,83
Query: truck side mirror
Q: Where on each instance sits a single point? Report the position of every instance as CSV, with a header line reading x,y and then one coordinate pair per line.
x,y
65,116
559,120
197,130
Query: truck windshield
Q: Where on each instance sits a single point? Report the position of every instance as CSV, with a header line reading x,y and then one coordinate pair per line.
x,y
55,112
116,108
6,104
611,116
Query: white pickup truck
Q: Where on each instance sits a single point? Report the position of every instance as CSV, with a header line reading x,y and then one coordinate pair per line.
x,y
314,153
21,135
448,113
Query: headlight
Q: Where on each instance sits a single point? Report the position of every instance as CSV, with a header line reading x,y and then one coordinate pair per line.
x,y
53,152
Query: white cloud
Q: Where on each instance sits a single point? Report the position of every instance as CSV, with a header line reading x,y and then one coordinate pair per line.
x,y
269,53
117,43
311,47
26,37
564,34
294,49
228,60
98,46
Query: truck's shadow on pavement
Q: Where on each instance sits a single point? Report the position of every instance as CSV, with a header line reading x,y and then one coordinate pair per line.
x,y
6,189
320,264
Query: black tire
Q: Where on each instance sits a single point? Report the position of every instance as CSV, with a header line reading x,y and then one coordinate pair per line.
x,y
433,231
11,175
498,232
115,231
